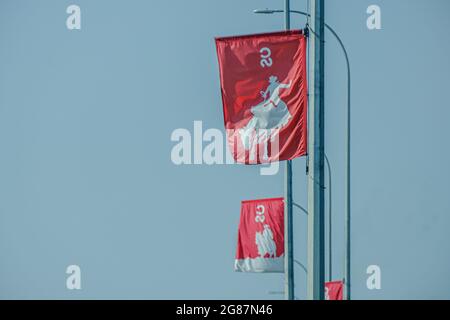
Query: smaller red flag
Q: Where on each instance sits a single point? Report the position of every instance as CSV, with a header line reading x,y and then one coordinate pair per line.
x,y
261,236
333,290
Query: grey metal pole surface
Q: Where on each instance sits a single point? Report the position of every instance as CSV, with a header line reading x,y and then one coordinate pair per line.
x,y
316,209
330,223
289,250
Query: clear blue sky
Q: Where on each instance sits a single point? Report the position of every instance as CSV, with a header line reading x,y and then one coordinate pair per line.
x,y
85,170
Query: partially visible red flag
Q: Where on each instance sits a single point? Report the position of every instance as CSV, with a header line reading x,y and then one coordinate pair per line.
x,y
261,236
333,290
264,95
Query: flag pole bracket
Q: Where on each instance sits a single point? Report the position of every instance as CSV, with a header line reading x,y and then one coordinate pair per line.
x,y
306,31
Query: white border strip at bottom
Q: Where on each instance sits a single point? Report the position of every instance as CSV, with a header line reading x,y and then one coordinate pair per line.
x,y
259,265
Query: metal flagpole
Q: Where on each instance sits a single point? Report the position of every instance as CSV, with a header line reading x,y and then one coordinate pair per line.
x,y
347,198
316,209
289,256
330,224
289,252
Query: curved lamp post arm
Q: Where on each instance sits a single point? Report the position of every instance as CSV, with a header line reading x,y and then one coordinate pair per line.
x,y
301,265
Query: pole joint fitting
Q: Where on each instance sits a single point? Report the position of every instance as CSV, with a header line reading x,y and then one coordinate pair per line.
x,y
306,31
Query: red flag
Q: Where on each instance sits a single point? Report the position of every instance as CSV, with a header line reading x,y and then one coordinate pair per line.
x,y
333,290
261,236
264,95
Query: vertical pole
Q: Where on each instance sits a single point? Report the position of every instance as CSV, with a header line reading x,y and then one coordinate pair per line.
x,y
289,252
287,15
316,210
347,198
330,223
289,256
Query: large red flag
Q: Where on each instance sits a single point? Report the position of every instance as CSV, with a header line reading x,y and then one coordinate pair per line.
x,y
261,236
264,95
333,290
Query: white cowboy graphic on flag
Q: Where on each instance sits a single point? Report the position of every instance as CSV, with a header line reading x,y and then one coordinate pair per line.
x,y
265,243
268,118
